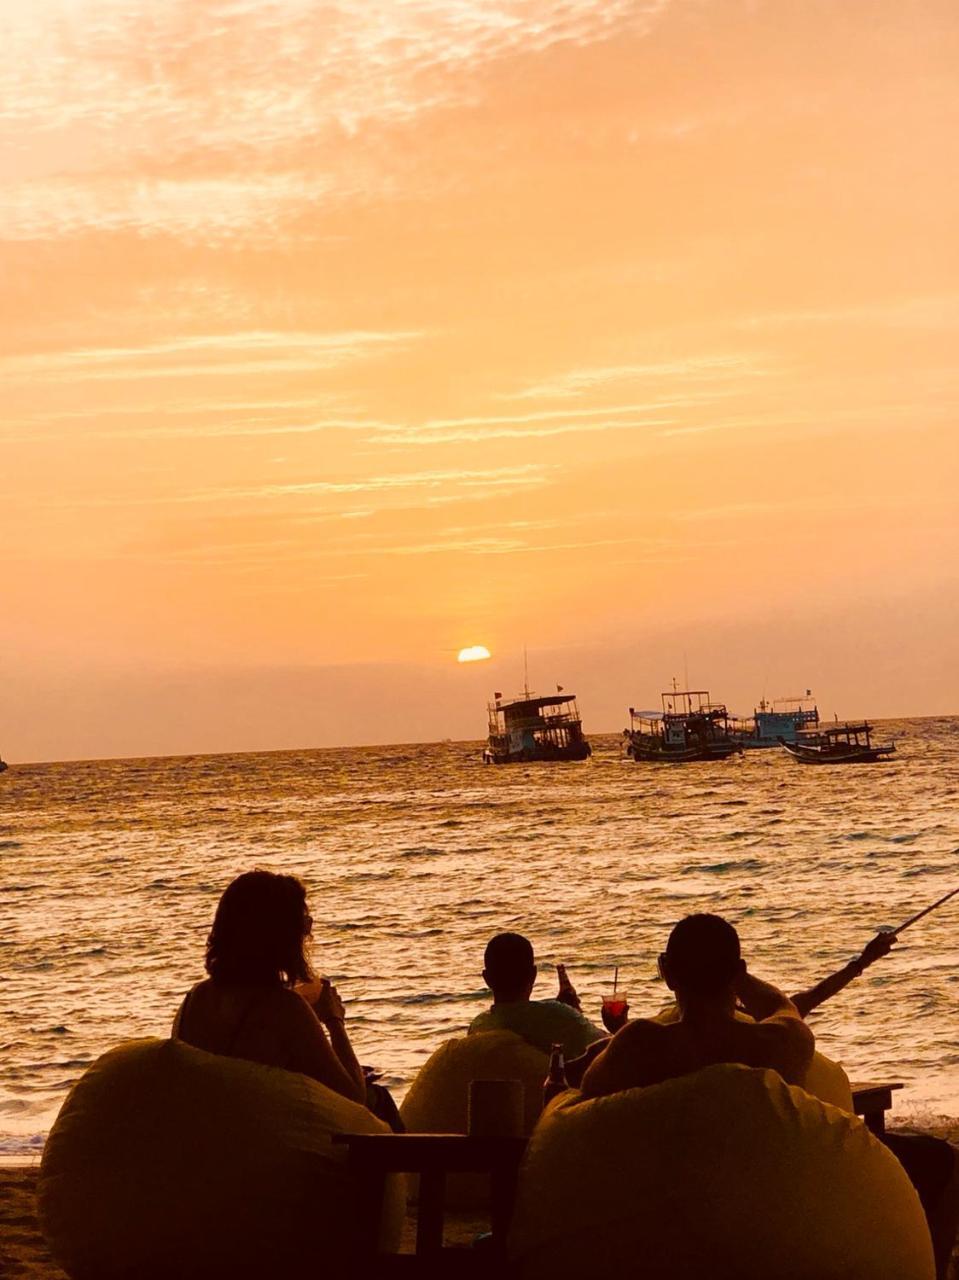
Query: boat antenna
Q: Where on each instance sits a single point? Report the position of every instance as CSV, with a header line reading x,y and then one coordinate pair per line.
x,y
525,671
685,669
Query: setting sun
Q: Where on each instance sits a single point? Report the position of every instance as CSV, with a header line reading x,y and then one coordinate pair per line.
x,y
475,653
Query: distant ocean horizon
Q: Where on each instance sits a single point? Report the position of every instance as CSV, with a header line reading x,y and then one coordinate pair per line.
x,y
414,854
476,741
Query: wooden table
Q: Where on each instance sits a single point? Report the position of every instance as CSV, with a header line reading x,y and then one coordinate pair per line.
x,y
433,1156
871,1101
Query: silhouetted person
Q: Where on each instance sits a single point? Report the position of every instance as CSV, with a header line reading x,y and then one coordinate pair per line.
x,y
509,970
703,967
261,1001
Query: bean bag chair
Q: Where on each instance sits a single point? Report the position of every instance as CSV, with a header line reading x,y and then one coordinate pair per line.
x,y
827,1081
725,1174
169,1162
437,1098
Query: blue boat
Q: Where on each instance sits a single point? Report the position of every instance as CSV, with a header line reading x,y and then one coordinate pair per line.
x,y
781,720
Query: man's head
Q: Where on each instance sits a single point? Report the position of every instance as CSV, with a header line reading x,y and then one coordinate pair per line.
x,y
702,961
508,967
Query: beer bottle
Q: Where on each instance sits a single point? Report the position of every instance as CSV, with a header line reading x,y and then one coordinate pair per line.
x,y
555,1081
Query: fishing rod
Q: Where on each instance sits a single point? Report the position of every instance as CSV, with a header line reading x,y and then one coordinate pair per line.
x,y
925,911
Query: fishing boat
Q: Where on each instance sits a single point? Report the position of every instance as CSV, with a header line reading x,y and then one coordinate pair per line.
x,y
691,727
839,744
534,728
783,719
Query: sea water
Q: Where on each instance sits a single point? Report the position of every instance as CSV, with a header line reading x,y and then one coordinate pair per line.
x,y
414,856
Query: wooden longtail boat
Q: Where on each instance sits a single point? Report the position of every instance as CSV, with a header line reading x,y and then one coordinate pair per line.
x,y
839,744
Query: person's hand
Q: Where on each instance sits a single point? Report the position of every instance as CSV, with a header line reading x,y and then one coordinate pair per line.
x,y
876,948
614,1023
567,992
324,999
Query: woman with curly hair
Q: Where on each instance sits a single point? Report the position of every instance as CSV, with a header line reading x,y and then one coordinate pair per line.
x,y
261,1001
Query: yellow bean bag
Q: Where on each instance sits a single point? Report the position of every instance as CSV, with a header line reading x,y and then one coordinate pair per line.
x,y
725,1173
169,1162
825,1079
437,1098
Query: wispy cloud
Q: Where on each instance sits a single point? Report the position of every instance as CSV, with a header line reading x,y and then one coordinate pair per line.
x,y
449,485
575,382
204,355
927,311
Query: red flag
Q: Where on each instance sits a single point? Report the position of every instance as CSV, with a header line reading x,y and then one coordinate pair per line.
x,y
559,688
497,696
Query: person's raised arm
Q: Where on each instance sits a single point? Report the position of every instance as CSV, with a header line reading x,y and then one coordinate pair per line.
x,y
812,997
762,1000
779,1038
332,1061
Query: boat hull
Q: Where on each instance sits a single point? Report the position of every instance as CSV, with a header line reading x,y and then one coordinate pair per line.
x,y
654,754
861,755
539,754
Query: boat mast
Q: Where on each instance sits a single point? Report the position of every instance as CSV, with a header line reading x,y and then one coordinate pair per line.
x,y
525,672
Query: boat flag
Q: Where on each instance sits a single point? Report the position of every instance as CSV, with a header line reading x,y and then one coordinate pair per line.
x,y
559,688
497,696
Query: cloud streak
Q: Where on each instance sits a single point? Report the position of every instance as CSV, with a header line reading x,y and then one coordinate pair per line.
x,y
249,352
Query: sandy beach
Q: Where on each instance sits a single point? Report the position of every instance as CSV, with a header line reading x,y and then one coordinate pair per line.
x,y
24,1255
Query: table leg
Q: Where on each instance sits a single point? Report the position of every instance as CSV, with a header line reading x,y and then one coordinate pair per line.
x,y
429,1214
502,1200
875,1121
371,1188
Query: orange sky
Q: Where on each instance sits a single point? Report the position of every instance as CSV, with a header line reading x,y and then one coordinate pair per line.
x,y
337,336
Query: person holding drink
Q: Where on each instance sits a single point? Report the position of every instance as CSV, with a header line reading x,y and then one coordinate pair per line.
x,y
261,1000
509,970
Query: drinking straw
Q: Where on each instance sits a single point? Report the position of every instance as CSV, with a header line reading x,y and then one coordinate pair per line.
x,y
925,911
615,977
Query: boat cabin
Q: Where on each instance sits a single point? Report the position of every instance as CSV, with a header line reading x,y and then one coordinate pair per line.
x,y
851,736
529,724
688,714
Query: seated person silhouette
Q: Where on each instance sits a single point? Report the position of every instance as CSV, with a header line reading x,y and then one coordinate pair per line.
x,y
261,1000
509,970
703,967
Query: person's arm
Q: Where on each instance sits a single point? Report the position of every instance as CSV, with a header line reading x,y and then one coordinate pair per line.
x,y
567,993
620,1064
576,1067
779,1038
812,997
762,1000
332,1061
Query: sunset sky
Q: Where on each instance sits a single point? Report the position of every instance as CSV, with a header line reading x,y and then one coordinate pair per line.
x,y
339,336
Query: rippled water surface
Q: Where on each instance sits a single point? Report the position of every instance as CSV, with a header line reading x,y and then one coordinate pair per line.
x,y
415,855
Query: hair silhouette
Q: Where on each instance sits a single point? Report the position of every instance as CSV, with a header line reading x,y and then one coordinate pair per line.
x,y
259,931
